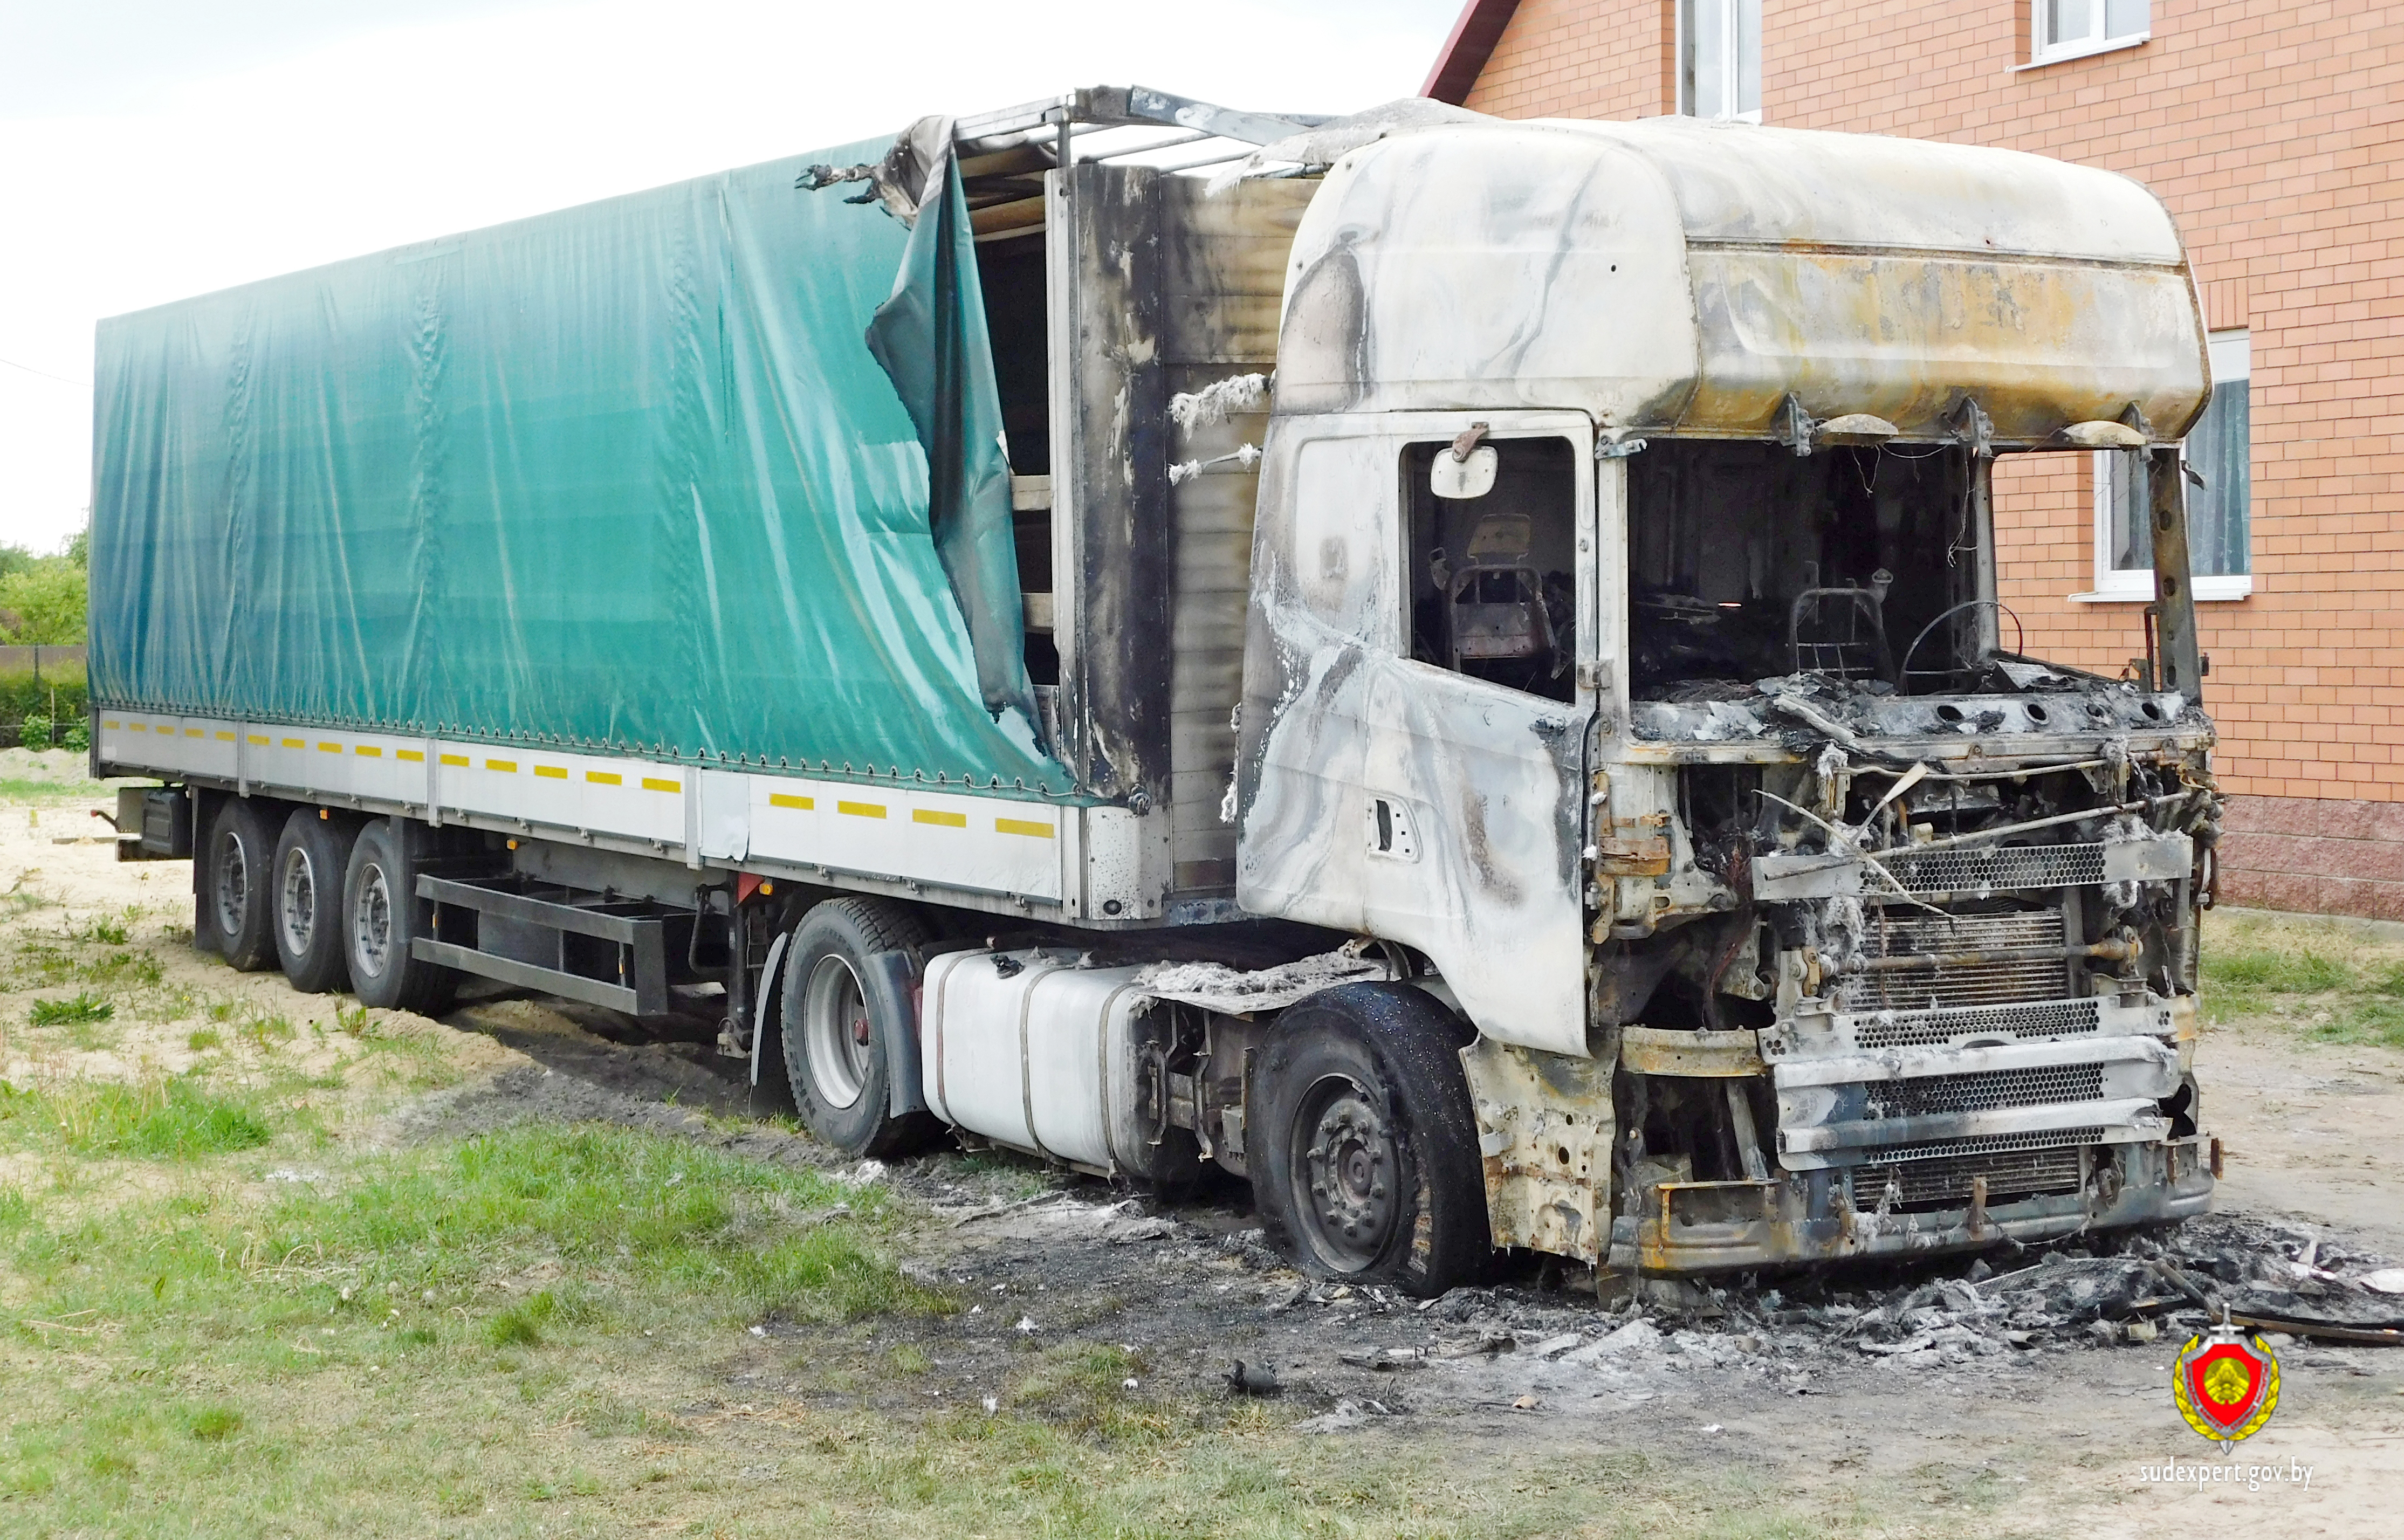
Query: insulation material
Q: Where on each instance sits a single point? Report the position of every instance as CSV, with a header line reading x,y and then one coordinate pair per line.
x,y
625,477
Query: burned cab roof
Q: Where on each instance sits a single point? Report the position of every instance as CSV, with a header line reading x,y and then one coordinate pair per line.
x,y
1676,276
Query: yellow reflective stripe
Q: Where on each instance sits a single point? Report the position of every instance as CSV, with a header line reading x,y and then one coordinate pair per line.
x,y
550,772
296,743
261,739
138,727
779,799
948,821
224,737
653,783
329,749
455,759
414,756
195,732
367,751
509,765
108,724
861,809
1023,826
605,778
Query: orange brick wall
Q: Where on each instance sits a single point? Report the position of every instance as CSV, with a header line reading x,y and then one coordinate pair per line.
x,y
1580,59
2272,132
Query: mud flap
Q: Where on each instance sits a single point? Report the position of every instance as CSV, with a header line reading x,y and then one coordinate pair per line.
x,y
772,1090
893,988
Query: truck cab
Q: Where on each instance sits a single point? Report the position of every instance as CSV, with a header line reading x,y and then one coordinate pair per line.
x,y
1625,647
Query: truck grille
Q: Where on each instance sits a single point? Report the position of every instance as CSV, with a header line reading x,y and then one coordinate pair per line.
x,y
2034,1085
1893,935
1946,1182
2027,1023
1991,869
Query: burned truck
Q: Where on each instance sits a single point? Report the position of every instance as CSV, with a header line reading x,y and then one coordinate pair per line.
x,y
1451,669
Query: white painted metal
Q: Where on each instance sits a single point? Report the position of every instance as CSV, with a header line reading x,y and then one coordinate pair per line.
x,y
1030,1051
958,840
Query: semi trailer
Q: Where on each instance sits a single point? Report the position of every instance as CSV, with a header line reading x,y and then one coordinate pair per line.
x,y
1450,668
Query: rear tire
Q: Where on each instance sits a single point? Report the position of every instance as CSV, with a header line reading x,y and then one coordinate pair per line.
x,y
1366,1160
381,913
306,899
242,853
838,1030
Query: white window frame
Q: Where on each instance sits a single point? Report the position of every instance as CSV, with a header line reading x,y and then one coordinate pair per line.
x,y
1732,76
2232,360
2045,48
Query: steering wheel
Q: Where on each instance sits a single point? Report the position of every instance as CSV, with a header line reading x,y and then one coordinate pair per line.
x,y
1906,673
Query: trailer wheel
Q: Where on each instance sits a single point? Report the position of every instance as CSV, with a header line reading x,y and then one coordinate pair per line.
x,y
1365,1158
305,895
837,1029
241,851
381,913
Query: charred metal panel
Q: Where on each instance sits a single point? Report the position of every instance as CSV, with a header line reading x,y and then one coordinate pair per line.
x,y
1222,259
2037,342
1547,1131
1110,529
2182,663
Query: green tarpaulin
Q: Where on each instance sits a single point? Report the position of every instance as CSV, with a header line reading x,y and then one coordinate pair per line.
x,y
624,477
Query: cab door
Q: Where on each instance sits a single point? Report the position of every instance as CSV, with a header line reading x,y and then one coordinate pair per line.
x,y
1473,807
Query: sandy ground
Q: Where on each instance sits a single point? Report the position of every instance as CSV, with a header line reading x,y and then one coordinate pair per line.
x,y
2040,1440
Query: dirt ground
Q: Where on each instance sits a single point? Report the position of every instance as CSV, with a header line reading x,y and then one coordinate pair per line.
x,y
2062,1431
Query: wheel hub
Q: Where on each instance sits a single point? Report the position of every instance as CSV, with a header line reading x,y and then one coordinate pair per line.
x,y
1350,1169
233,885
299,906
837,1033
371,923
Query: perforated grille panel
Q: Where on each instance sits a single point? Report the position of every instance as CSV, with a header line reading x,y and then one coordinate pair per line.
x,y
1946,1149
2014,1023
1894,932
2033,1085
1988,868
1946,1182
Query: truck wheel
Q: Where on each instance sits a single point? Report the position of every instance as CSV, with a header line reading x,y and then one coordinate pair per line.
x,y
306,892
837,1028
1366,1164
381,913
241,851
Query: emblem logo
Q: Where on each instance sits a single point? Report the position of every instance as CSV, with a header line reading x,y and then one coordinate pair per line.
x,y
2226,1384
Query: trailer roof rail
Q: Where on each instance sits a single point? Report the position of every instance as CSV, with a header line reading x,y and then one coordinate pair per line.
x,y
1214,132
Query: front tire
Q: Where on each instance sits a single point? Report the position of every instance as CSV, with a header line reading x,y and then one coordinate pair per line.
x,y
1367,1145
381,913
306,893
242,853
838,1026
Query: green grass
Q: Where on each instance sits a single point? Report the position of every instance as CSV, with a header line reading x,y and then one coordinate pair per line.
x,y
153,1120
82,1008
2324,980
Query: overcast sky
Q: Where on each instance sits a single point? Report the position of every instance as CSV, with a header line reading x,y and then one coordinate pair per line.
x,y
151,149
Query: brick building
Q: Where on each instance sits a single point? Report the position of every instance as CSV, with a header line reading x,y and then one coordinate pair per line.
x,y
2272,132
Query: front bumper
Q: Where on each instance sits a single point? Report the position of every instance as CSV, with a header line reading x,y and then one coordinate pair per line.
x,y
1804,1216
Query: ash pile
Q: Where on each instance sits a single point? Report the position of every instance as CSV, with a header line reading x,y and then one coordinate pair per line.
x,y
2133,1289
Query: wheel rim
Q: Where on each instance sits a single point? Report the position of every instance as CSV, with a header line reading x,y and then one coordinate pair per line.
x,y
1345,1174
296,914
231,870
836,1032
372,922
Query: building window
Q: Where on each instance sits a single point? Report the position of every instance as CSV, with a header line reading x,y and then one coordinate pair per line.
x,y
2066,29
1719,58
2219,489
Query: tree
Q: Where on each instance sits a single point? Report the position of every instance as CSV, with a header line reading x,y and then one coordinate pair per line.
x,y
43,598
